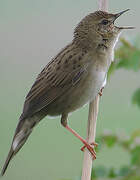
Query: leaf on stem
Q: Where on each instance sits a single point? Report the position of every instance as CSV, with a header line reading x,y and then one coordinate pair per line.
x,y
136,97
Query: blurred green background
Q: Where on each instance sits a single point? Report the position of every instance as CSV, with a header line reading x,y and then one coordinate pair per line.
x,y
31,33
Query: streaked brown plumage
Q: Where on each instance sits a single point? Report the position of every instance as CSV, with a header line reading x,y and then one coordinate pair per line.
x,y
73,78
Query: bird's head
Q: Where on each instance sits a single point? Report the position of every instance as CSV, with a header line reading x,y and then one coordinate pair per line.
x,y
97,26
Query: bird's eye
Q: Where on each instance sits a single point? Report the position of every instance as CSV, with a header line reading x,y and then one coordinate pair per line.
x,y
105,22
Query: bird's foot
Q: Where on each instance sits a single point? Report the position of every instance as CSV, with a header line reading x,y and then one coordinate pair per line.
x,y
94,144
101,91
86,144
90,148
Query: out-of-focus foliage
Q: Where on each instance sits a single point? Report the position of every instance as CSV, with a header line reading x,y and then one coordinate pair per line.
x,y
127,56
136,97
130,144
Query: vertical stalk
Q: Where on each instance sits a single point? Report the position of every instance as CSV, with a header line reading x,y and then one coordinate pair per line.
x,y
92,120
103,5
91,131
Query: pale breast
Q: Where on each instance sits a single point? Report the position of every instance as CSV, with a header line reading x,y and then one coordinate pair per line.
x,y
93,84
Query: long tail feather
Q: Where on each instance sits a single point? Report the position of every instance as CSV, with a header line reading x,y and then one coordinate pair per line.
x,y
23,130
9,157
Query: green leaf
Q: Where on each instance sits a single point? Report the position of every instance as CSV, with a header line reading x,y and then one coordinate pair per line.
x,y
127,56
130,61
135,156
136,97
112,173
110,140
111,70
134,177
135,134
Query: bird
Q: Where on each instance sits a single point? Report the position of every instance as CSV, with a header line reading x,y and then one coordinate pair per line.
x,y
73,78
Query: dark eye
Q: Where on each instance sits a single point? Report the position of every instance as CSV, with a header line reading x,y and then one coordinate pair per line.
x,y
105,22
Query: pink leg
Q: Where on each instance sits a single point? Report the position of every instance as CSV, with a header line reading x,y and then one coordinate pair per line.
x,y
87,145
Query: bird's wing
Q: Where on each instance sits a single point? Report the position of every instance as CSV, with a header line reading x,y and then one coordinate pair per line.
x,y
55,79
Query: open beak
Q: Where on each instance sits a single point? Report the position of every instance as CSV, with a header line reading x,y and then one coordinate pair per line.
x,y
118,15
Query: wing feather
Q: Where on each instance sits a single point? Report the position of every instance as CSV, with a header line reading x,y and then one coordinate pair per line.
x,y
51,83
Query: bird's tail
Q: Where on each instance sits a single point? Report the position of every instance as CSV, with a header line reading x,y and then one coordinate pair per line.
x,y
23,130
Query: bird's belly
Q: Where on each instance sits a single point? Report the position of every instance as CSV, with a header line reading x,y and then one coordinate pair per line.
x,y
83,92
88,90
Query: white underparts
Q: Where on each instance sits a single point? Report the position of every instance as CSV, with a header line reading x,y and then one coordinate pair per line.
x,y
113,47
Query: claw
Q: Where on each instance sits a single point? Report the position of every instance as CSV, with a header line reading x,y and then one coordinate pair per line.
x,y
94,144
101,91
90,148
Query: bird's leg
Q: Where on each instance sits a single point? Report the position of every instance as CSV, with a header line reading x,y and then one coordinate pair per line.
x,y
101,91
86,144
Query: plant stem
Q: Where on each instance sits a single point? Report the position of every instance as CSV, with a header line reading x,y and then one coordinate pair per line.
x,y
103,5
91,131
92,119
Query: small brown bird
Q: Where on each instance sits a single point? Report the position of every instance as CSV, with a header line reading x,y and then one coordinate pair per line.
x,y
73,78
